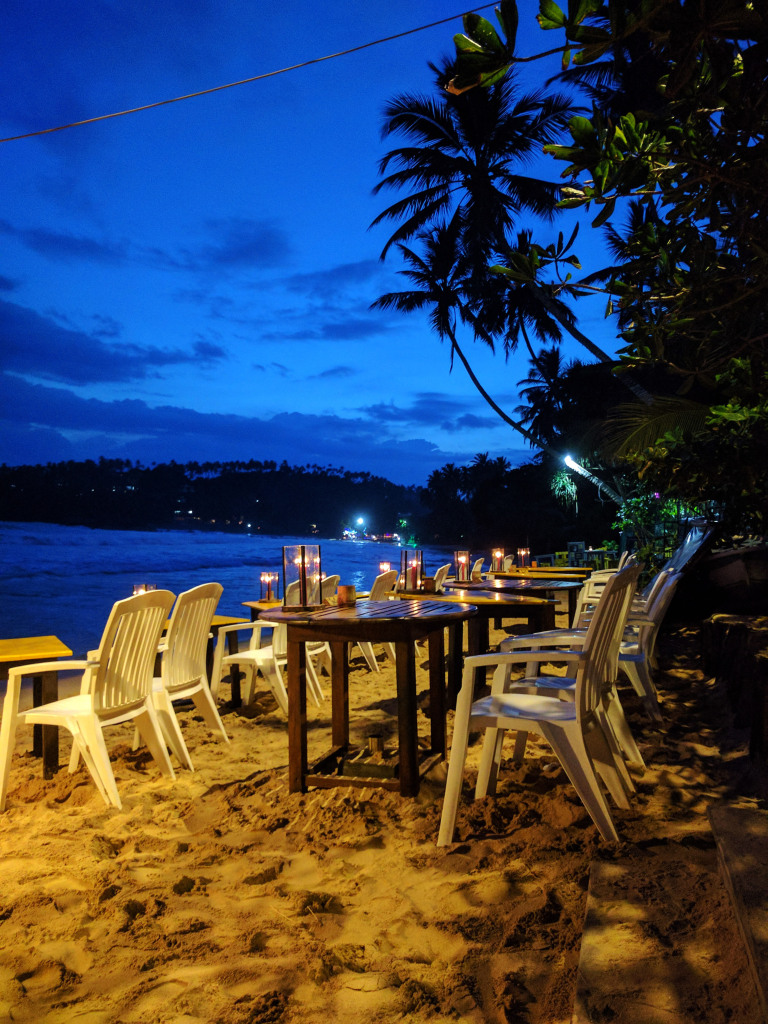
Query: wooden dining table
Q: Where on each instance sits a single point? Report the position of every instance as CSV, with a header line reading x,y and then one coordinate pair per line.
x,y
530,585
45,688
399,622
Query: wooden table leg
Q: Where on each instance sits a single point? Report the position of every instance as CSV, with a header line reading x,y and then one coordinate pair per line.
x,y
339,694
546,618
236,698
573,597
406,717
297,716
437,726
45,738
455,662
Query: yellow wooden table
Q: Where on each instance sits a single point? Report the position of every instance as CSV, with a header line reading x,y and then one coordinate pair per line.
x,y
45,688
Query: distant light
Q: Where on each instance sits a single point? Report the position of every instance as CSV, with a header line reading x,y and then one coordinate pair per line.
x,y
360,521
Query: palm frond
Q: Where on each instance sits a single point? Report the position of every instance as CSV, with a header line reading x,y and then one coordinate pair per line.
x,y
635,426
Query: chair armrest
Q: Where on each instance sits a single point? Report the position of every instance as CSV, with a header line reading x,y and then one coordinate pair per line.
x,y
66,665
552,640
639,620
518,657
15,675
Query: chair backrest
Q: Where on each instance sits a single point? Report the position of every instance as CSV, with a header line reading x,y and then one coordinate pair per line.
x,y
384,585
509,562
647,634
440,575
328,587
126,655
601,644
477,570
651,591
187,637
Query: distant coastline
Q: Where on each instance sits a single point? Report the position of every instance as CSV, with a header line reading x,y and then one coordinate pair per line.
x,y
263,498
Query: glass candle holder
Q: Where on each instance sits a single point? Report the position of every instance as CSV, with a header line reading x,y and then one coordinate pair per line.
x,y
411,570
461,559
384,567
497,560
523,557
268,586
302,576
143,588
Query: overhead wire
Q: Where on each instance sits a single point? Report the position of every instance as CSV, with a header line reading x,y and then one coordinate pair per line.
x,y
242,81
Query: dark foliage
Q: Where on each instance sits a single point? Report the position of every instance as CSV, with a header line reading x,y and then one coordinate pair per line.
x,y
264,497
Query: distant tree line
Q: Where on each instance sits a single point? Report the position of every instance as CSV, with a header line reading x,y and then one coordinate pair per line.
x,y
485,503
258,496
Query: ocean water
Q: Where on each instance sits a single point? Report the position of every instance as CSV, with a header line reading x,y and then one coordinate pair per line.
x,y
63,580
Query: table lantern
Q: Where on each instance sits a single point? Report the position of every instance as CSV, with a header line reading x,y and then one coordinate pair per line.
x,y
302,574
461,558
411,570
497,560
523,557
268,589
143,588
384,567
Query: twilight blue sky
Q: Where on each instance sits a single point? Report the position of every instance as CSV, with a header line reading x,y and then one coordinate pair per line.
x,y
192,282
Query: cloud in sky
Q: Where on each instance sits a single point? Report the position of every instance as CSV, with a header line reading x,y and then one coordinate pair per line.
x,y
337,279
234,243
61,245
36,346
41,424
431,409
241,243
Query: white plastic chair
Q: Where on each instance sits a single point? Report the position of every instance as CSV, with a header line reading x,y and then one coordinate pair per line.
x,y
268,660
320,652
477,570
183,673
117,688
440,577
636,649
550,645
381,588
637,654
573,727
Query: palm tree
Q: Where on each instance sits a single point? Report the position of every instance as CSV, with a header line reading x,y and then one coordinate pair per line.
x,y
457,167
458,158
437,274
546,394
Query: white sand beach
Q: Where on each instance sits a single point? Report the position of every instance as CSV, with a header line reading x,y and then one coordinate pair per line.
x,y
219,897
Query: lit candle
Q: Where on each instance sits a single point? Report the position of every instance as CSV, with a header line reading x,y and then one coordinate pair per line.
x,y
385,566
